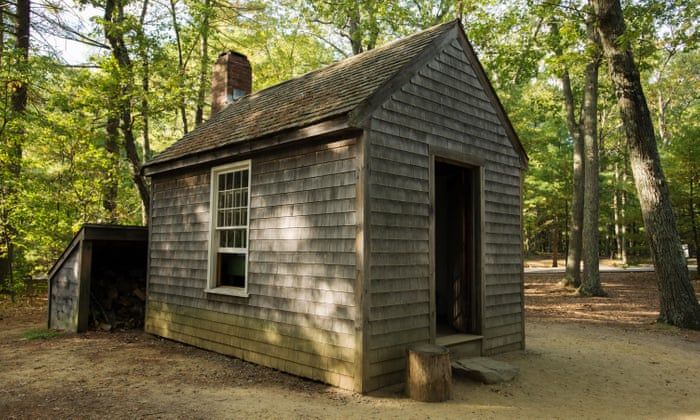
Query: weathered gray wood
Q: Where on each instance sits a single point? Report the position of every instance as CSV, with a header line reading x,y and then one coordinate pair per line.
x,y
446,107
64,296
301,309
84,279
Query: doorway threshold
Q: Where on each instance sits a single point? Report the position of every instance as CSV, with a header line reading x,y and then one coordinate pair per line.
x,y
461,345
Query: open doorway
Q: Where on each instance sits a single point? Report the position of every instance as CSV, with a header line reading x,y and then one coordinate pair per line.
x,y
457,249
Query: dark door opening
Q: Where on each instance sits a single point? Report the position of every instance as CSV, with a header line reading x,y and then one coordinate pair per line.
x,y
457,272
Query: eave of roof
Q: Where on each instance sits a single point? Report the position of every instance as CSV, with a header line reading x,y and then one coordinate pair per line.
x,y
227,130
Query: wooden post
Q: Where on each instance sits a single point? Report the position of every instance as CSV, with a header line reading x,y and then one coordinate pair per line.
x,y
428,373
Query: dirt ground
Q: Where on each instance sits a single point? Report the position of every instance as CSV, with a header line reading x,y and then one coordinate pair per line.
x,y
585,358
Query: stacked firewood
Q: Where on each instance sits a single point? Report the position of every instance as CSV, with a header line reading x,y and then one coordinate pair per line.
x,y
117,299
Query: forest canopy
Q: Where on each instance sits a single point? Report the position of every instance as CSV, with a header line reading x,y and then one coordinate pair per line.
x,y
74,134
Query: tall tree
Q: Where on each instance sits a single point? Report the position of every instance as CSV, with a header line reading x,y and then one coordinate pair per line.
x,y
143,53
113,24
678,303
572,277
181,67
590,281
15,140
204,65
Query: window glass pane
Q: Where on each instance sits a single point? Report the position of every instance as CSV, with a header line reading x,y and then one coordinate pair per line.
x,y
231,270
245,179
237,179
244,235
222,182
237,239
244,198
222,238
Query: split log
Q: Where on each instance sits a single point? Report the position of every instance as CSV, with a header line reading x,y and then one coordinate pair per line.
x,y
428,373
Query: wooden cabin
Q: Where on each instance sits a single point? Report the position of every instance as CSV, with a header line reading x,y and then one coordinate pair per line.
x,y
322,225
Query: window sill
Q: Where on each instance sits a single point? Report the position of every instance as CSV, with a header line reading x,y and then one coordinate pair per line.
x,y
227,291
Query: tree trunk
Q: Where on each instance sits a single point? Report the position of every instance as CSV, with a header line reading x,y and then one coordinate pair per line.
x,y
111,186
428,373
573,258
114,17
590,281
679,305
572,277
623,212
619,203
693,222
180,67
203,65
555,244
145,85
18,104
616,211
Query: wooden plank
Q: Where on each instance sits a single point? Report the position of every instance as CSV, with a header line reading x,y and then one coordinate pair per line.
x,y
282,326
380,299
319,220
256,338
302,197
508,319
405,337
363,258
84,279
262,359
396,325
490,343
63,299
307,245
300,257
329,174
301,233
304,209
400,310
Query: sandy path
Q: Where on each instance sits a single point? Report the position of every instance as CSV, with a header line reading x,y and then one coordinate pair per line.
x,y
570,370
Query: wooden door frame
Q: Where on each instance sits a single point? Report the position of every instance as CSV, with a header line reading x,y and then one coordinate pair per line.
x,y
476,164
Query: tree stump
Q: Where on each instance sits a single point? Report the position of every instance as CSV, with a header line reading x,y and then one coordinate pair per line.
x,y
428,373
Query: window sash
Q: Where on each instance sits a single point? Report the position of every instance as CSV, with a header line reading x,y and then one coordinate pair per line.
x,y
230,200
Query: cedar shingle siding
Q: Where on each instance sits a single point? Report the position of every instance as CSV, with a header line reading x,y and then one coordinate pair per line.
x,y
340,238
442,106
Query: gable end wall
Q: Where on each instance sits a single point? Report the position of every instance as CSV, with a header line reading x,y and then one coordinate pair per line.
x,y
444,106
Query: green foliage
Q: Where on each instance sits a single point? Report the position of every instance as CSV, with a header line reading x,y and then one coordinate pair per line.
x,y
40,334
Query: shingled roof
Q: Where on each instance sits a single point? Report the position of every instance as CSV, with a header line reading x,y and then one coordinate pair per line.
x,y
315,96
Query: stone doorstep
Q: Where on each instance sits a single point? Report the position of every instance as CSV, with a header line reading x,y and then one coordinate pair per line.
x,y
484,369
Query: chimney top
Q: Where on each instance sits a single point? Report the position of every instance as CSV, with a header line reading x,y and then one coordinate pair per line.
x,y
231,78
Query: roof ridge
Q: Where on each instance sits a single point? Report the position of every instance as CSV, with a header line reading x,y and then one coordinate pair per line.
x,y
346,60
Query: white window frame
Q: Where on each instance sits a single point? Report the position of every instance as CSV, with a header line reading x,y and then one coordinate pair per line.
x,y
214,248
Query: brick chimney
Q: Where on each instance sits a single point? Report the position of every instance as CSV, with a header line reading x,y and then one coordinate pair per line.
x,y
231,78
